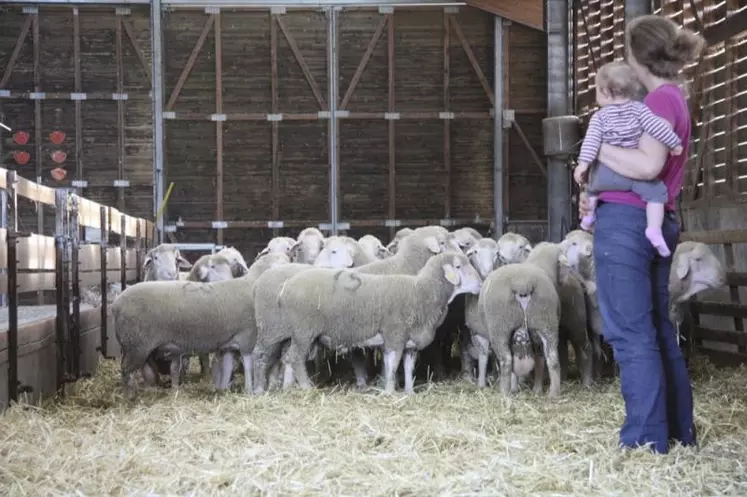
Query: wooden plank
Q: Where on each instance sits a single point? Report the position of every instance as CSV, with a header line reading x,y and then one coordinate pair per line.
x,y
16,51
364,62
302,63
190,63
738,338
527,12
734,290
447,108
720,309
732,111
78,103
473,60
36,252
736,278
731,26
38,125
218,125
392,184
354,223
93,279
136,47
121,156
717,237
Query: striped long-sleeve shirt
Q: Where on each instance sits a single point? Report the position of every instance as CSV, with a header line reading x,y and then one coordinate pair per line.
x,y
622,125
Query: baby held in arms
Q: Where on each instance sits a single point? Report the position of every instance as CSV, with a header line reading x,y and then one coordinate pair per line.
x,y
621,121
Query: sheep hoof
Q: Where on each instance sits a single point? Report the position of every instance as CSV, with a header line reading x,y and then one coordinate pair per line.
x,y
466,376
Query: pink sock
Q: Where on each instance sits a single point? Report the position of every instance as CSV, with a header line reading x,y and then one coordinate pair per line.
x,y
657,240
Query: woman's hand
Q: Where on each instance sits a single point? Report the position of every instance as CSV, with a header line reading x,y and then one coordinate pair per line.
x,y
584,209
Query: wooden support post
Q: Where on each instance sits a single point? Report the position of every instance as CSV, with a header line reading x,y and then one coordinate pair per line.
x,y
363,63
190,63
447,108
302,63
473,60
275,124
120,112
78,103
16,51
732,109
392,137
38,133
136,47
219,124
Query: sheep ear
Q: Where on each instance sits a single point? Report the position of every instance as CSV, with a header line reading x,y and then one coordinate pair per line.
x,y
182,262
203,271
471,251
563,260
586,251
682,267
527,248
451,274
239,270
433,244
264,251
148,262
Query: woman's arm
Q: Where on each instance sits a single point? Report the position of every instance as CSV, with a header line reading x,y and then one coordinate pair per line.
x,y
642,163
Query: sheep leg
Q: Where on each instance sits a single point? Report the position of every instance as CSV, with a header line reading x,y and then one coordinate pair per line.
x,y
247,362
358,360
483,350
131,361
176,372
183,368
500,342
514,382
550,351
216,369
465,341
296,357
410,357
392,358
204,366
584,361
563,354
539,373
226,369
149,374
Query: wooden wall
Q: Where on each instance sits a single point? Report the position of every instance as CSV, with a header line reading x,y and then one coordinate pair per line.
x,y
98,51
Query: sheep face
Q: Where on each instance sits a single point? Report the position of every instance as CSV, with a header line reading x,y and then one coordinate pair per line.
x,y
306,249
217,268
484,256
236,260
373,247
513,248
460,273
163,263
464,239
337,253
398,237
694,268
576,246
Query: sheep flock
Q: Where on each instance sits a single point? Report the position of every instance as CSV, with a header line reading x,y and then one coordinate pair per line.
x,y
385,313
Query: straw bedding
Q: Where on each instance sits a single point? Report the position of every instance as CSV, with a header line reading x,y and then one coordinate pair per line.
x,y
448,439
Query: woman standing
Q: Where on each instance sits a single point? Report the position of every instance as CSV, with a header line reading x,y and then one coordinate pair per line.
x,y
632,278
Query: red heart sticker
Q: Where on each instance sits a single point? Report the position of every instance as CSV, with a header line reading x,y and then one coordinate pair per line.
x,y
21,157
58,173
58,156
57,137
21,137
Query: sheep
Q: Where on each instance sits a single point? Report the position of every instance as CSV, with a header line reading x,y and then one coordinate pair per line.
x,y
279,244
349,308
373,247
524,295
188,317
341,252
163,262
694,269
573,318
466,237
307,246
398,237
513,248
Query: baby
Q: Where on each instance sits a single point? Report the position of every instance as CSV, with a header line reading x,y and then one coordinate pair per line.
x,y
621,121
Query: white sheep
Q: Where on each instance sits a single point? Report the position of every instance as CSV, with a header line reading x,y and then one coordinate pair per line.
x,y
307,246
513,248
523,295
279,244
348,308
341,252
398,237
162,263
174,317
373,247
466,237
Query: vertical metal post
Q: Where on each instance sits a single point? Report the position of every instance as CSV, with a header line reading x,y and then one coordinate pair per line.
x,y
138,251
558,104
62,268
103,242
75,276
123,251
12,290
498,54
157,98
636,8
3,224
333,78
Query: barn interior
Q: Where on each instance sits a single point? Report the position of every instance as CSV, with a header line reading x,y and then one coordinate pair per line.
x,y
225,123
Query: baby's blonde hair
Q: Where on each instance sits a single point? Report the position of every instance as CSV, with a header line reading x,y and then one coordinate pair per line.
x,y
618,79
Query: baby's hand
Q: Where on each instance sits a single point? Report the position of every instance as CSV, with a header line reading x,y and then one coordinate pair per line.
x,y
579,173
676,150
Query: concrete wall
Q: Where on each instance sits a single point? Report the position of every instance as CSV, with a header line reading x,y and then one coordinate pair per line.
x,y
37,354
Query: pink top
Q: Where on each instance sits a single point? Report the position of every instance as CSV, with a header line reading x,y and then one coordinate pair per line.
x,y
667,102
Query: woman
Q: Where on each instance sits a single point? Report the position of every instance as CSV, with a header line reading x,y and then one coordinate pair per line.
x,y
631,278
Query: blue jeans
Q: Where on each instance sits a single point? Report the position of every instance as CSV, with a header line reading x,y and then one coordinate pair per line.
x,y
633,298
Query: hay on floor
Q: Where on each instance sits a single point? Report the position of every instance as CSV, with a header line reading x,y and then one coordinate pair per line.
x,y
448,439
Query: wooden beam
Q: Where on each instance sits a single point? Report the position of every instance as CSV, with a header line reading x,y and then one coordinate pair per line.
x,y
732,111
594,63
190,63
506,131
734,289
527,12
392,135
38,130
275,124
78,103
120,111
302,63
530,149
447,108
363,63
734,25
136,47
16,51
219,124
473,60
